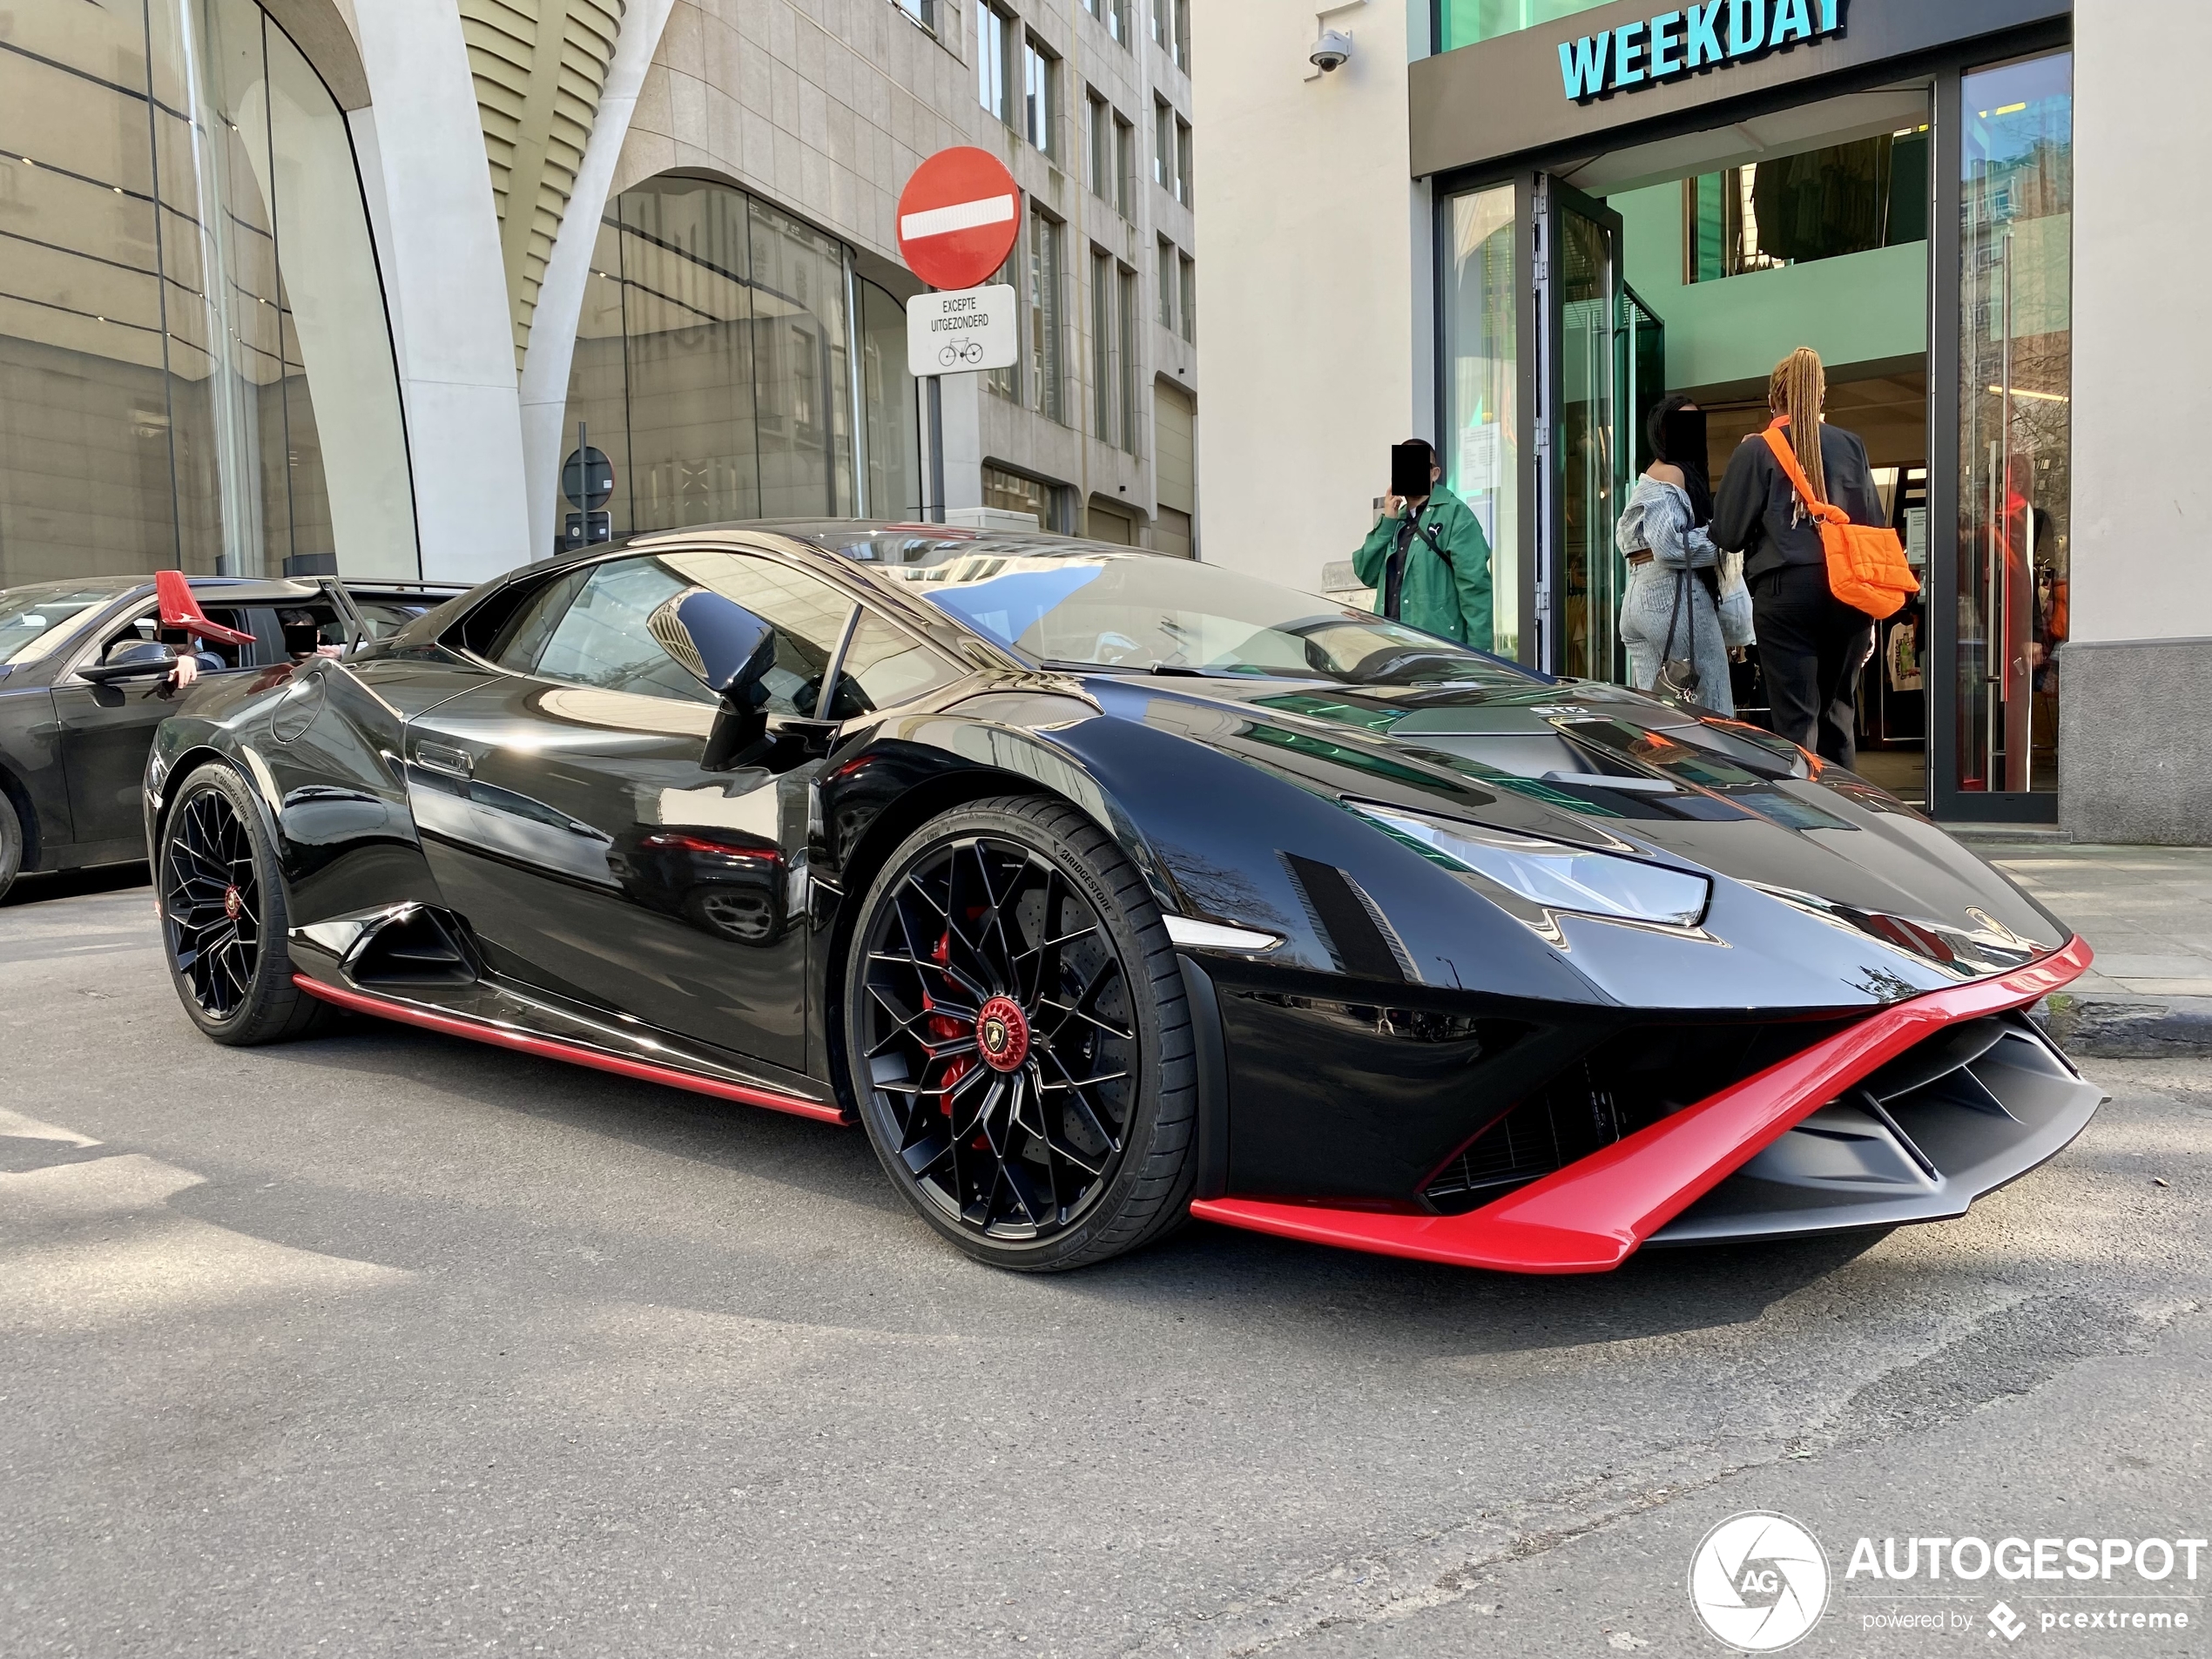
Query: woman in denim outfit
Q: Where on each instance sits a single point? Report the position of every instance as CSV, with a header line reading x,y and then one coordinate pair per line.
x,y
1663,535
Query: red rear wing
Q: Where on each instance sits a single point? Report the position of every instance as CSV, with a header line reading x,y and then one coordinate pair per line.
x,y
180,610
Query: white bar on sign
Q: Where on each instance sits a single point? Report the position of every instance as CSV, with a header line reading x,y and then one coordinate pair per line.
x,y
960,216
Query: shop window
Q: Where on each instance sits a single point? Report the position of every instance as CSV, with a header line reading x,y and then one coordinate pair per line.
x,y
1125,167
1098,128
1105,364
1007,382
1013,492
995,62
1132,364
1462,22
1045,318
1817,204
1481,449
2016,429
1040,98
715,364
156,416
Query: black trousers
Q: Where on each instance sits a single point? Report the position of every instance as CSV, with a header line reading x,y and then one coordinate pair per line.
x,y
1811,646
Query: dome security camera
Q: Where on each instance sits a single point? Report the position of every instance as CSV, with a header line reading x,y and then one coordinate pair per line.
x,y
1330,52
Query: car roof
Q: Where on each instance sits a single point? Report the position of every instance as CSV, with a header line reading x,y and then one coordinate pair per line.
x,y
893,541
249,590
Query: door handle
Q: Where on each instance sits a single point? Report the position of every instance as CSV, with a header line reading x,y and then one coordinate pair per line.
x,y
438,757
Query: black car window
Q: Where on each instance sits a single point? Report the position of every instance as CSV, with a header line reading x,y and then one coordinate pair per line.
x,y
590,626
883,667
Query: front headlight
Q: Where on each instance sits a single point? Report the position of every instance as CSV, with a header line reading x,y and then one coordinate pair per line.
x,y
1553,875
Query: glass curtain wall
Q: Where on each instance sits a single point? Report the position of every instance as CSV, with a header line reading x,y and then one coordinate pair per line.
x,y
1462,22
1481,449
2015,441
195,368
719,365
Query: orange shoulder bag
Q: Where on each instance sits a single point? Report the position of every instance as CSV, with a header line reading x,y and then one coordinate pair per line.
x,y
1866,567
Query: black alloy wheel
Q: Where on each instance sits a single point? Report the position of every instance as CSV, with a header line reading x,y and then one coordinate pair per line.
x,y
1019,1040
223,915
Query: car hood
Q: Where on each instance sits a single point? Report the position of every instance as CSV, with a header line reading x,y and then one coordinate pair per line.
x,y
1593,764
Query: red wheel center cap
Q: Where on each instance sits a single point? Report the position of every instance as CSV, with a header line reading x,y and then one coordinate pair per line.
x,y
234,901
1003,1034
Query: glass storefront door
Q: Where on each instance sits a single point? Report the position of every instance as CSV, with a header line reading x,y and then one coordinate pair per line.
x,y
1583,303
2015,447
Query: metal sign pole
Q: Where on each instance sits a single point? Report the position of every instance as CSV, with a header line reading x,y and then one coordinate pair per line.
x,y
937,447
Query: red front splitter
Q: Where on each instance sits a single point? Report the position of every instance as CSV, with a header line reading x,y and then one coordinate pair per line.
x,y
1593,1215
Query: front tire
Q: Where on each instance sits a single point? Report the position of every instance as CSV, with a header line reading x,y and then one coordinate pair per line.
x,y
1018,1040
224,921
12,839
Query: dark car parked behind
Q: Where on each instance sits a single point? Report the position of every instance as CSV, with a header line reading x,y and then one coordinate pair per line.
x,y
74,750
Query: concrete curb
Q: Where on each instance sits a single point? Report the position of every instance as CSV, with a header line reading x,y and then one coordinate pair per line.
x,y
2170,1027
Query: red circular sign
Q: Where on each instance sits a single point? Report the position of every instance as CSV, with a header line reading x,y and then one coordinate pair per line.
x,y
958,218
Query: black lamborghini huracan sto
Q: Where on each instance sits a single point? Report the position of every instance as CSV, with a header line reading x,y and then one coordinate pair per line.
x,y
1101,889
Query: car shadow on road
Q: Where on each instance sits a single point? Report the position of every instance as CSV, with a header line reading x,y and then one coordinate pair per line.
x,y
72,883
1203,1274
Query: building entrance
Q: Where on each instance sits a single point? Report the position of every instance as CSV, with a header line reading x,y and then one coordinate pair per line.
x,y
1918,236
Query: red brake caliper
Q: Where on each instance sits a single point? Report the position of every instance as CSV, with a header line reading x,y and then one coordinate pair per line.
x,y
942,1028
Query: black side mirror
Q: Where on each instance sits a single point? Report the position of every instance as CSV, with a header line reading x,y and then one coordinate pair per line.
x,y
132,659
730,650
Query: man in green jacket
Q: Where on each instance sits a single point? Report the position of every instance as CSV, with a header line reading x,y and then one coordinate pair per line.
x,y
1429,563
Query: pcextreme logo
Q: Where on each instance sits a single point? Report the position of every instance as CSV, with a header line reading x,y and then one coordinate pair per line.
x,y
1759,1582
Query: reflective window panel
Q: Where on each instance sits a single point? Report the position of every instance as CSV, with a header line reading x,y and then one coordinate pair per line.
x,y
195,368
2015,439
1481,443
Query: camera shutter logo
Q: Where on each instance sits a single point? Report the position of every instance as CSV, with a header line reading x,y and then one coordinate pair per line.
x,y
1758,1582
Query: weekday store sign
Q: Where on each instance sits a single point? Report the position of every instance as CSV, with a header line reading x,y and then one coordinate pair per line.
x,y
1708,34
959,333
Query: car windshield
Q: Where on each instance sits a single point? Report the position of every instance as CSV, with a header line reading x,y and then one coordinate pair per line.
x,y
1145,613
34,620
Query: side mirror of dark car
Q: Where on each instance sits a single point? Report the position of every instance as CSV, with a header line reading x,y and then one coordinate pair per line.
x,y
132,659
730,650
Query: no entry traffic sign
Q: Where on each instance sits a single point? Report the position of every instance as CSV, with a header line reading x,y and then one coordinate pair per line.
x,y
958,218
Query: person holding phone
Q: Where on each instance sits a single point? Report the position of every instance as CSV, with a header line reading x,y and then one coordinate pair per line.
x,y
1427,558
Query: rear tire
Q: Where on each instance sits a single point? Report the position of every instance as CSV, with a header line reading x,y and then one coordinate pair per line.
x,y
224,921
10,845
1018,1040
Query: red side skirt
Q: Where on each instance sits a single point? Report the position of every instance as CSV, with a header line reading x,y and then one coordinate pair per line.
x,y
506,1036
1593,1214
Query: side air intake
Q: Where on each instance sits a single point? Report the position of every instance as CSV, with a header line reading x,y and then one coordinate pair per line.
x,y
417,947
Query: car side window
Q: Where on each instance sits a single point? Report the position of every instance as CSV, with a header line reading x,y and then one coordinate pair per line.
x,y
590,626
148,627
883,667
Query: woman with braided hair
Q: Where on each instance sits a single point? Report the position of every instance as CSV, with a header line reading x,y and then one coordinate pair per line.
x,y
1812,645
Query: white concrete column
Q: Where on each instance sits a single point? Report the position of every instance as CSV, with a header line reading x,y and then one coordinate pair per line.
x,y
545,390
2136,678
444,282
1307,277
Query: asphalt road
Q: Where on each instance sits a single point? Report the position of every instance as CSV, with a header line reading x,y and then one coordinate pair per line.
x,y
387,1343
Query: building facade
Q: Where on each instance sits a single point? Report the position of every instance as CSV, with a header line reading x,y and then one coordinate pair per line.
x,y
316,285
1518,223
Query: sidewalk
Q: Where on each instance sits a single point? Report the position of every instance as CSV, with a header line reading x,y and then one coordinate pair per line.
x,y
2147,910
